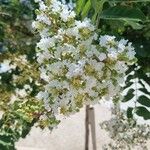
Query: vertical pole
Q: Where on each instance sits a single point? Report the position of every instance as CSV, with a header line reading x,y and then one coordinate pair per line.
x,y
92,124
87,128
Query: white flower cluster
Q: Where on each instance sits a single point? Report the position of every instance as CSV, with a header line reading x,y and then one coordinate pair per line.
x,y
20,80
6,66
24,91
21,93
77,66
125,133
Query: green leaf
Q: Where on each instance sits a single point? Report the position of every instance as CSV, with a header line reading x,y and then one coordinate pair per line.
x,y
134,25
98,7
123,13
131,68
144,90
143,76
143,112
86,9
134,1
128,84
129,95
129,112
94,4
144,100
79,7
143,85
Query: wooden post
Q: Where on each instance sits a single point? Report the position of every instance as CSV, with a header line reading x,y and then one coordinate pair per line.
x,y
92,125
90,122
87,128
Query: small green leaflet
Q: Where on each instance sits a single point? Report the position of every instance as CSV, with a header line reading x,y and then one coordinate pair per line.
x,y
123,13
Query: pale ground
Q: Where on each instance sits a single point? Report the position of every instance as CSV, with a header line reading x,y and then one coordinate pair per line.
x,y
69,135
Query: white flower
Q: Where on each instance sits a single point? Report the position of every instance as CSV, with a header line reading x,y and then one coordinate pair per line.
x,y
131,54
102,56
121,47
6,66
35,24
21,92
56,6
72,63
43,74
22,59
90,82
125,133
43,18
112,53
86,23
38,1
28,88
73,32
44,33
42,6
66,14
123,41
13,98
44,55
106,39
46,43
121,67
